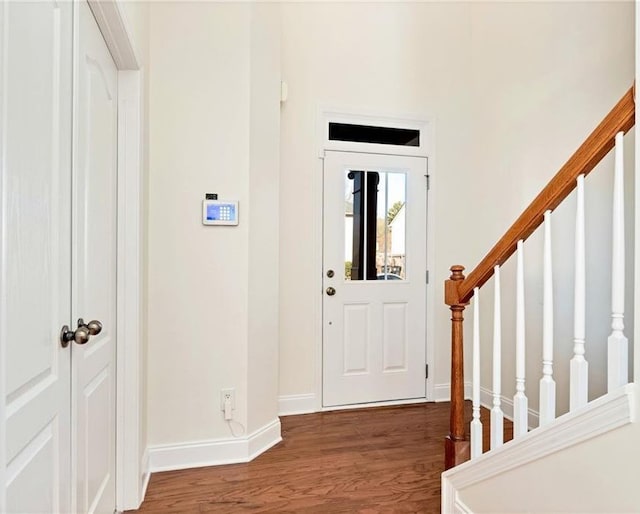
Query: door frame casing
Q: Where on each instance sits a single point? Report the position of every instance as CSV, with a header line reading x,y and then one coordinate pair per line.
x,y
426,125
132,469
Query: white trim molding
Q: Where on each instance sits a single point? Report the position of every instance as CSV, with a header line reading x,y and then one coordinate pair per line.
x,y
116,32
130,357
607,413
131,467
460,507
424,125
454,504
146,474
214,452
291,404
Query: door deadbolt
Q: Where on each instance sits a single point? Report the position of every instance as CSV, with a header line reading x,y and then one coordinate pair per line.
x,y
330,273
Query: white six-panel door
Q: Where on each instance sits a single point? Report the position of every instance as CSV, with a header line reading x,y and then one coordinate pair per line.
x,y
36,73
374,326
57,259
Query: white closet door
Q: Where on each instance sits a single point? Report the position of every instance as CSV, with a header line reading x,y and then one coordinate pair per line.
x,y
35,270
94,268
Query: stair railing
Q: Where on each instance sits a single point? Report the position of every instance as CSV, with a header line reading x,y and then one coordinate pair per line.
x,y
459,290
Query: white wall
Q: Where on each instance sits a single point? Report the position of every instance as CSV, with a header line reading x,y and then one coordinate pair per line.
x,y
213,128
535,100
387,58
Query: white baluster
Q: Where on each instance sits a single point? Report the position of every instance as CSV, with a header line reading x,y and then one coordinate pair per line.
x,y
618,344
497,417
547,384
579,367
520,403
476,424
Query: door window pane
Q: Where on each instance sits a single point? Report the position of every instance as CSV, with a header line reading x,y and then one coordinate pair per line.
x,y
375,225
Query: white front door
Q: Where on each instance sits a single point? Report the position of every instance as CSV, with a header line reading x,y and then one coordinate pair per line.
x,y
94,267
374,278
35,263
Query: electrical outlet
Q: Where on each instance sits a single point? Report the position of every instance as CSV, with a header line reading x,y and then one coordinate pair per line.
x,y
228,394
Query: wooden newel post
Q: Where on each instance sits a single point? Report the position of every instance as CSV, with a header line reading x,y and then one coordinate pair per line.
x,y
456,445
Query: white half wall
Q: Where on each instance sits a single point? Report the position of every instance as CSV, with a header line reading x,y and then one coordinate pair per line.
x,y
587,461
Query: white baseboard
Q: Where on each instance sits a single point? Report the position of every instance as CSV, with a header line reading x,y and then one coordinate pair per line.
x,y
263,439
598,417
215,452
291,404
442,392
486,400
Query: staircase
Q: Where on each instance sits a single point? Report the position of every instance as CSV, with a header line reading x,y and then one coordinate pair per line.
x,y
533,472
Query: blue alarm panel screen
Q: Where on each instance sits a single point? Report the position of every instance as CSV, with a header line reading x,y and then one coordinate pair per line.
x,y
221,212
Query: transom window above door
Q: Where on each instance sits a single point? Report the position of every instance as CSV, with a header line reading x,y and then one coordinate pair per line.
x,y
368,133
373,134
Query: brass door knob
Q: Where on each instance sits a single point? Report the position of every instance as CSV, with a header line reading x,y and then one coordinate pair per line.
x,y
331,291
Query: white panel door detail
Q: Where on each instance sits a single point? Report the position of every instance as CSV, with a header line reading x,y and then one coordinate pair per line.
x,y
374,278
94,268
35,269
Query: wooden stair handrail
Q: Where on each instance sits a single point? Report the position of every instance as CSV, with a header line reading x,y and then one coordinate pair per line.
x,y
591,152
458,289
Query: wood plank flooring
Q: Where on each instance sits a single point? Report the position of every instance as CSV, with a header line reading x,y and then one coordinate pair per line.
x,y
365,461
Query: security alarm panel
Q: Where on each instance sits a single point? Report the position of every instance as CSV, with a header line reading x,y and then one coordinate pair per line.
x,y
219,212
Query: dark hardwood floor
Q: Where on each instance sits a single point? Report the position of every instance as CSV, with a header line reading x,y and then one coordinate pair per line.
x,y
365,461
